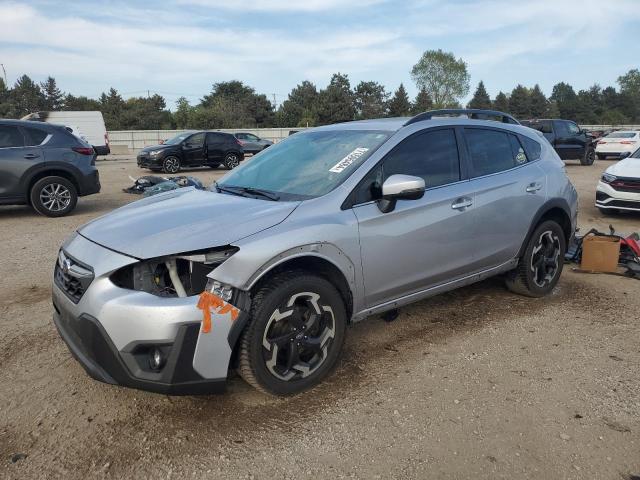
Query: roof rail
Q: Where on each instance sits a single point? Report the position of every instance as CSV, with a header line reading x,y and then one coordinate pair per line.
x,y
472,113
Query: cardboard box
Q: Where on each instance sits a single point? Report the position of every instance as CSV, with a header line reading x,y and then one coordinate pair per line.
x,y
600,254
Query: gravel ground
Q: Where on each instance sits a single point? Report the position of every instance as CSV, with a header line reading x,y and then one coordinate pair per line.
x,y
476,383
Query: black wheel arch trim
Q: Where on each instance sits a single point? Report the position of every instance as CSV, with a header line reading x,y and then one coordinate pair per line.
x,y
53,169
549,205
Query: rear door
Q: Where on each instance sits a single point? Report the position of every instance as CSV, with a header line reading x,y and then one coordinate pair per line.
x,y
17,157
193,149
215,147
509,189
421,243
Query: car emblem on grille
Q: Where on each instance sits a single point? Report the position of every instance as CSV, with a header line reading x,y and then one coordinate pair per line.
x,y
66,265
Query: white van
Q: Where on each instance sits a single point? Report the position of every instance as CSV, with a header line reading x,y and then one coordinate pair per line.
x,y
86,125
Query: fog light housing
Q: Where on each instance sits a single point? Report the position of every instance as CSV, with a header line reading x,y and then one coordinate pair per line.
x,y
156,359
224,291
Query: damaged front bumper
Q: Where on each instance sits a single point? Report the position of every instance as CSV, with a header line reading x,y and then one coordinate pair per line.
x,y
115,332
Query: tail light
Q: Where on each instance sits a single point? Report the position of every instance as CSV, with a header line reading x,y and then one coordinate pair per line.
x,y
239,142
601,142
106,138
84,150
627,142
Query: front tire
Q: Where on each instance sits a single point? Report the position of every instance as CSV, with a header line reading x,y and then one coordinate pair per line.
x,y
231,161
53,196
171,164
541,264
295,335
589,157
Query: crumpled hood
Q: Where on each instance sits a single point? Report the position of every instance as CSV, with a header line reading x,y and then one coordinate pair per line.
x,y
629,167
183,220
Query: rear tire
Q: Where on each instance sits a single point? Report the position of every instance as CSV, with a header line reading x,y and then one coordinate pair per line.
x,y
541,264
231,161
171,164
53,196
295,335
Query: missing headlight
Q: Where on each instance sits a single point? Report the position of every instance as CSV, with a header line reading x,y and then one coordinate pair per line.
x,y
153,276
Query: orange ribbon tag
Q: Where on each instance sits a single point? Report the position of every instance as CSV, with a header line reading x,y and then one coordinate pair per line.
x,y
208,302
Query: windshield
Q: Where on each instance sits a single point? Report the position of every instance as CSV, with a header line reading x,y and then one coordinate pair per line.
x,y
621,135
308,164
177,139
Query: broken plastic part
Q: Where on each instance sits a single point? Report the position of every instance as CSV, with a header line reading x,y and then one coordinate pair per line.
x,y
175,279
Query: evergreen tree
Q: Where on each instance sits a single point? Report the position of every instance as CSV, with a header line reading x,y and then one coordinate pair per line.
x,y
336,101
80,103
480,98
5,106
501,103
53,97
399,105
520,102
300,108
26,97
183,112
422,102
370,100
538,102
566,99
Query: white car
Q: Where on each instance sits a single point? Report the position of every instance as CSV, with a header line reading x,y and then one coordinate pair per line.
x,y
619,187
617,143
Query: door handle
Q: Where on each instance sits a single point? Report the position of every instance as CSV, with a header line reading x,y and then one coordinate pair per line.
x,y
30,156
533,187
461,203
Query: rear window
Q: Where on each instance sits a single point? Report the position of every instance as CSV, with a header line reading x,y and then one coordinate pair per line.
x,y
621,135
35,136
493,151
10,136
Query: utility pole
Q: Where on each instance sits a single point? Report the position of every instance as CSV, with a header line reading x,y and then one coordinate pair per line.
x,y
5,75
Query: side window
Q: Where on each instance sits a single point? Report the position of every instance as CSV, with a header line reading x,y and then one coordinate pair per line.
x,y
491,151
573,128
196,140
532,147
562,130
10,136
252,137
370,187
241,136
546,127
213,138
432,155
35,136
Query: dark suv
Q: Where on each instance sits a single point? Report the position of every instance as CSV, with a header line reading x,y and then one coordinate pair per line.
x,y
567,138
45,166
193,149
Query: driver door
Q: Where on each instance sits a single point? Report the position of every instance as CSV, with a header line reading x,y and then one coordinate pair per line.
x,y
193,149
421,243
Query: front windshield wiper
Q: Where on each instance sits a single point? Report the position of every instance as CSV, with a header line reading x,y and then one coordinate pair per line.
x,y
247,190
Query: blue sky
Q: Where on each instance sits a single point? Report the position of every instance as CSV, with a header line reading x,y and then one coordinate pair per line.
x,y
182,47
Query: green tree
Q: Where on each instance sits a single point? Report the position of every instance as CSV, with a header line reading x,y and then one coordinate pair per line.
x,y
25,97
480,98
370,100
538,102
236,105
630,91
182,115
399,105
80,103
566,99
520,102
442,76
422,102
336,101
53,97
145,113
300,107
501,102
112,106
5,106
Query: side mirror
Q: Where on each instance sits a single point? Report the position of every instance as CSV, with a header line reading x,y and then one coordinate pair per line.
x,y
400,187
624,155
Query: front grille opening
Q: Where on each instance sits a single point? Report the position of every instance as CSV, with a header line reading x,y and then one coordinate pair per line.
x,y
73,287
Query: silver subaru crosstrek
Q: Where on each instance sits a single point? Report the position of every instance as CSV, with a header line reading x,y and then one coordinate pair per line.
x,y
263,273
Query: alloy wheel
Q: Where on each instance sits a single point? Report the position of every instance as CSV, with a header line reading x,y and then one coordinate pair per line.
x,y
545,258
172,165
55,197
298,336
232,161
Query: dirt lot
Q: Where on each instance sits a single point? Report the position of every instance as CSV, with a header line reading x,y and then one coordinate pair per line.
x,y
476,383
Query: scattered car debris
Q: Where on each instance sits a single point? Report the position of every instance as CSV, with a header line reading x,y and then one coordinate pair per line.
x,y
627,250
153,184
16,457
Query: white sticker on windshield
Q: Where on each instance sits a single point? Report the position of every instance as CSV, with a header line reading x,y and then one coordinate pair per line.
x,y
348,160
